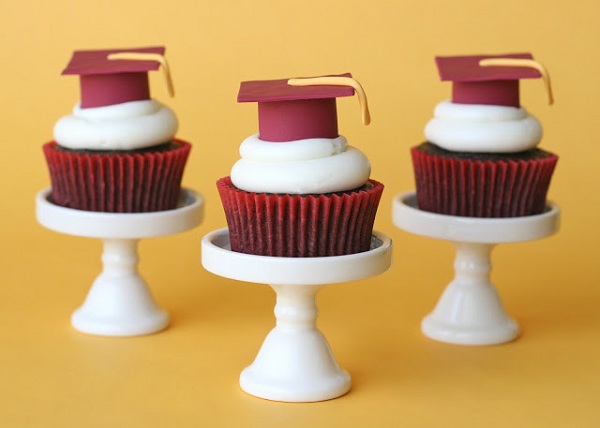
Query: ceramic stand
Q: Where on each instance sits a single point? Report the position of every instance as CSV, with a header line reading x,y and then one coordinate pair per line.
x,y
470,311
295,363
119,302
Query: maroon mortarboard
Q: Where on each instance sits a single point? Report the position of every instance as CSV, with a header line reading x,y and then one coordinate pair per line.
x,y
488,79
296,109
115,76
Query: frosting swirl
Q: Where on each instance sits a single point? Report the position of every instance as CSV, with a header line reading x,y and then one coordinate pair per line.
x,y
127,126
483,128
316,165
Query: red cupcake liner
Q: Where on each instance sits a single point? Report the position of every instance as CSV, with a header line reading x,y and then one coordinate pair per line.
x,y
117,182
300,225
475,188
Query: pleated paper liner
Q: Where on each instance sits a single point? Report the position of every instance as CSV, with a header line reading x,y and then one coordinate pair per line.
x,y
300,225
476,188
117,182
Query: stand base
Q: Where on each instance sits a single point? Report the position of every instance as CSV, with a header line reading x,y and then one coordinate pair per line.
x,y
442,331
470,311
295,367
119,306
93,324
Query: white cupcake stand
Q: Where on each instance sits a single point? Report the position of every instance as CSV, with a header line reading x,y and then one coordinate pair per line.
x,y
295,362
470,311
119,302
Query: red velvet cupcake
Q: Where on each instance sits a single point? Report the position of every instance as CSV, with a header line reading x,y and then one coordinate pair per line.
x,y
139,181
117,151
478,185
288,225
481,158
299,189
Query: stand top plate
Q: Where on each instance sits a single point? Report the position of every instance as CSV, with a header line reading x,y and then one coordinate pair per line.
x,y
91,224
407,216
218,258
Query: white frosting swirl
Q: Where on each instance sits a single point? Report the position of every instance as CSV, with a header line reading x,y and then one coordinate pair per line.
x,y
127,126
316,165
483,128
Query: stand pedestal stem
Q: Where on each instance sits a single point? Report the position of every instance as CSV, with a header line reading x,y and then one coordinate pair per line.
x,y
120,257
296,307
472,264
119,302
295,362
470,311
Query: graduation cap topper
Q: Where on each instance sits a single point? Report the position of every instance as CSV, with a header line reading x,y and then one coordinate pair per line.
x,y
301,108
490,79
116,76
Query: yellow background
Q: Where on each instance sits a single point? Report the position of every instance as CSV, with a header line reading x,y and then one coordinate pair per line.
x,y
186,376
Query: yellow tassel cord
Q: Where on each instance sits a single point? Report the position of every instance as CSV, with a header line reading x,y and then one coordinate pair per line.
x,y
141,56
338,81
522,62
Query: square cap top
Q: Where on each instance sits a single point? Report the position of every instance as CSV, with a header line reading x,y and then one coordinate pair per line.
x,y
115,76
96,62
475,82
468,69
279,90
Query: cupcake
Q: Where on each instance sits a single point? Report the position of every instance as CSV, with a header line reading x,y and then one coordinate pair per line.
x,y
116,152
481,157
299,189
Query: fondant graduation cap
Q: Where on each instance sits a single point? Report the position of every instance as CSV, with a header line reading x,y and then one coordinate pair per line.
x,y
490,79
116,76
296,109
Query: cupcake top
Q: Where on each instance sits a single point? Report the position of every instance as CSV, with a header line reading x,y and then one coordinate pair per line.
x,y
298,149
116,111
484,114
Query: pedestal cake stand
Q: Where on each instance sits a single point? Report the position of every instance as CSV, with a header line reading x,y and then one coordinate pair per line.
x,y
119,302
295,362
470,311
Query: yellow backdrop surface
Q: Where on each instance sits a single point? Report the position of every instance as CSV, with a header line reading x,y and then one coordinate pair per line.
x,y
186,376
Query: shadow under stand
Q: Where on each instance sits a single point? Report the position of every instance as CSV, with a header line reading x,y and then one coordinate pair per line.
x,y
295,362
470,311
119,302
